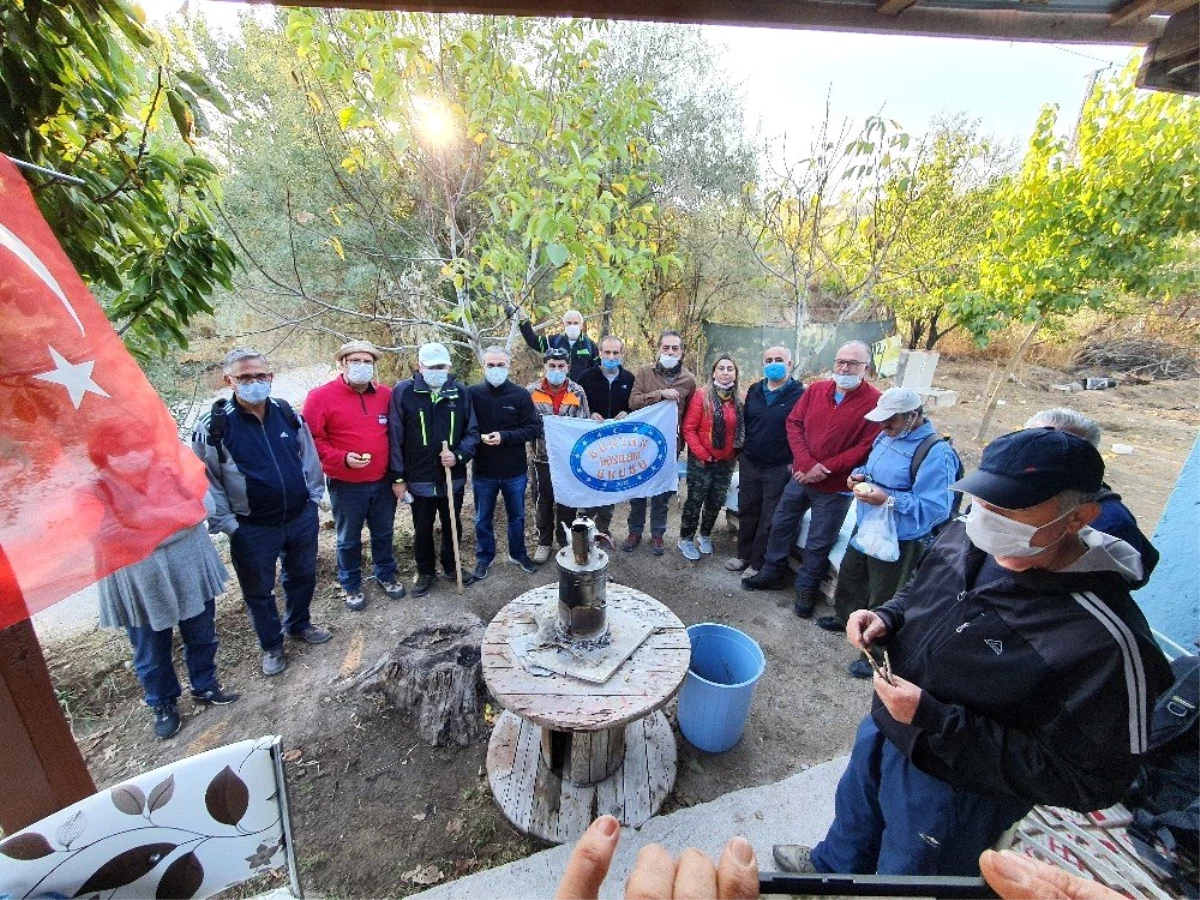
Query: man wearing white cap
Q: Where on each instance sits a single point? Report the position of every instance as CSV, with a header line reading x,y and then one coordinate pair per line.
x,y
426,410
348,418
907,476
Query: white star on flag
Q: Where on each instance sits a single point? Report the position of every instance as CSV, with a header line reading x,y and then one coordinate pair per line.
x,y
75,377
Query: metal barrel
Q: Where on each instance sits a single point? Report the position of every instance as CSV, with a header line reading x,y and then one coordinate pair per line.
x,y
582,601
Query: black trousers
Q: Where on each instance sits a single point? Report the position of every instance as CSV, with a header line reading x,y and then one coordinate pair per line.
x,y
549,516
424,511
758,492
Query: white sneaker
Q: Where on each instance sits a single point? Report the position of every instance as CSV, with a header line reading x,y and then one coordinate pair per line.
x,y
735,564
705,544
541,554
749,572
688,549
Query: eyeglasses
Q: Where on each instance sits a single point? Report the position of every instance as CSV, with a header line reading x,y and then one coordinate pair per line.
x,y
261,378
848,363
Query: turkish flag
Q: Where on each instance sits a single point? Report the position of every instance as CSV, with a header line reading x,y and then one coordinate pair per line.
x,y
93,471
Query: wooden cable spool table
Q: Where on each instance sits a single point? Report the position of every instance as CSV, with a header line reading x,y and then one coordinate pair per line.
x,y
566,750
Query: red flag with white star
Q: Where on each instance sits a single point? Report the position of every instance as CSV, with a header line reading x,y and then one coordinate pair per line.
x,y
94,473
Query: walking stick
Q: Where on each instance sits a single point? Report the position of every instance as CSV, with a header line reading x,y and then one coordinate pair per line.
x,y
453,520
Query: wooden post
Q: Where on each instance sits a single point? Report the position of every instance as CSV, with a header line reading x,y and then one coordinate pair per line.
x,y
41,767
453,519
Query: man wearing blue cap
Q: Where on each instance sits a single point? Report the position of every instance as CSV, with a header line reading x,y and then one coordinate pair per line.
x,y
1021,672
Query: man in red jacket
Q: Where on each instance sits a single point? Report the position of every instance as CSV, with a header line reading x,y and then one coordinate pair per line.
x,y
829,437
348,418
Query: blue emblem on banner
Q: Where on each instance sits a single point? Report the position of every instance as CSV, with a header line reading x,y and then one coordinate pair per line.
x,y
618,456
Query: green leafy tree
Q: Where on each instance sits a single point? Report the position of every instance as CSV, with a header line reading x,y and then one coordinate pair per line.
x,y
86,90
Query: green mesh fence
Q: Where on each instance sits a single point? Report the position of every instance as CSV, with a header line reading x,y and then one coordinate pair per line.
x,y
817,342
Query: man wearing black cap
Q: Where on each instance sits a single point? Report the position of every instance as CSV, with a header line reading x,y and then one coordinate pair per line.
x,y
1021,672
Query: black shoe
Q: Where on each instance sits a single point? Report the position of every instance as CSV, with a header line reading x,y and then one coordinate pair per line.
x,y
482,570
763,581
831,623
393,589
311,635
166,720
528,566
467,577
805,601
355,601
860,668
423,585
214,697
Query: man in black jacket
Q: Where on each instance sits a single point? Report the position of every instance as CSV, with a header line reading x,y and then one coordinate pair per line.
x,y
507,421
607,387
1022,672
765,464
582,351
428,409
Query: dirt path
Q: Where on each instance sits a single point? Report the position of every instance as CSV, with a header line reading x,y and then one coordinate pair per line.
x,y
380,814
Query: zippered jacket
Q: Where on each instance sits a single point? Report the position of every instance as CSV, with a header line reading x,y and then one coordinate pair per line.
x,y
698,428
919,505
342,421
264,473
1036,685
417,425
766,445
609,398
509,410
819,430
583,353
573,405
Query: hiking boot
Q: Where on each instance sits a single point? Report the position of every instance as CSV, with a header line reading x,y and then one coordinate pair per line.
x,y
467,577
794,858
393,589
355,601
482,570
860,668
805,601
604,541
631,542
763,581
423,584
749,572
736,565
831,623
705,544
541,554
311,635
525,563
688,549
166,720
273,662
657,547
214,697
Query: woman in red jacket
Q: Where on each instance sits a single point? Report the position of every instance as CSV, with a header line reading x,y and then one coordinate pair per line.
x,y
714,429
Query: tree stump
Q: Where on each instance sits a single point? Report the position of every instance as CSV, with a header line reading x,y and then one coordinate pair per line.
x,y
435,671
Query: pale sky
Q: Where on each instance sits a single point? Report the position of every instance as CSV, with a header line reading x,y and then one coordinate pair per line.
x,y
786,75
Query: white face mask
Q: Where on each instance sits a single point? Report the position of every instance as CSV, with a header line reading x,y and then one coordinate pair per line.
x,y
573,332
435,378
998,536
847,382
723,385
495,376
667,362
360,372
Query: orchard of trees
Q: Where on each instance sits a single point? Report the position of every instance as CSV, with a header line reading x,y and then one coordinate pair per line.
x,y
405,176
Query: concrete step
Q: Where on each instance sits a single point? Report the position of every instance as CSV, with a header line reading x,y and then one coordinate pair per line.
x,y
797,810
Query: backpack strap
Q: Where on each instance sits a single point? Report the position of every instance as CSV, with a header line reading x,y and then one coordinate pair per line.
x,y
217,418
289,413
920,453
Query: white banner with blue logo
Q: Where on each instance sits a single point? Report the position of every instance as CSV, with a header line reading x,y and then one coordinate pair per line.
x,y
598,463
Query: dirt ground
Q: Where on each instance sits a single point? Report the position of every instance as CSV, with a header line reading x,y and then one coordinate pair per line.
x,y
379,813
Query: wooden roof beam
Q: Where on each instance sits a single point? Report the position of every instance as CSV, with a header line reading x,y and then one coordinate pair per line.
x,y
1140,10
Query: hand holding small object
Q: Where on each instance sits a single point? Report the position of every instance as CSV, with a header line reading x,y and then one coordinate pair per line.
x,y
863,628
358,460
448,459
492,438
899,696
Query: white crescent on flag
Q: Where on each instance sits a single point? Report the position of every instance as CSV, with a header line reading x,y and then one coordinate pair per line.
x,y
22,252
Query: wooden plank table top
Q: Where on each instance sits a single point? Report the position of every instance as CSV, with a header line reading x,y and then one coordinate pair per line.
x,y
643,683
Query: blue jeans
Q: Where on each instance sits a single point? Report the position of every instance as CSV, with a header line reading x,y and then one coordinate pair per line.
x,y
152,656
353,505
255,550
486,490
891,818
828,513
658,514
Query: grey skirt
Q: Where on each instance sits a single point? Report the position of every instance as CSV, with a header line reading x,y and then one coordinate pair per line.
x,y
172,584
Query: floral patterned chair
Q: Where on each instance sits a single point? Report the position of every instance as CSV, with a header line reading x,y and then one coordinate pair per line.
x,y
189,829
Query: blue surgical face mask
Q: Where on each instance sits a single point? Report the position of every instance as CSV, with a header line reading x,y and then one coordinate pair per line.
x,y
254,393
435,378
555,376
847,382
775,371
612,364
495,376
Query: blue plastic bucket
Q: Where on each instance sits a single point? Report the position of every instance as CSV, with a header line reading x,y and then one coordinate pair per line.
x,y
715,700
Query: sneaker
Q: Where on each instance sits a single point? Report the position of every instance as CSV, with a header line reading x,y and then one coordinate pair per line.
x,y
763,581
273,662
736,565
831,623
860,668
423,584
482,570
604,541
311,635
749,572
805,601
688,549
467,578
214,697
657,546
705,545
166,720
631,542
393,589
355,601
794,858
525,563
541,554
